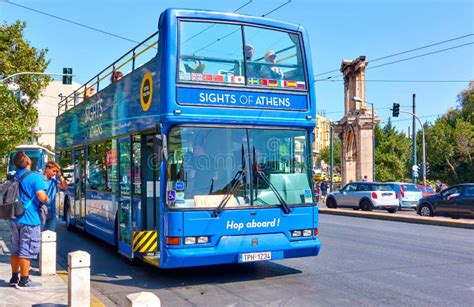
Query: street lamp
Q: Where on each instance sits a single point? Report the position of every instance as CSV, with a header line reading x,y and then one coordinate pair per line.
x,y
331,153
355,98
423,167
2,80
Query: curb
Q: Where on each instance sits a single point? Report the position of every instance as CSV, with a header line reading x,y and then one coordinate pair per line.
x,y
400,218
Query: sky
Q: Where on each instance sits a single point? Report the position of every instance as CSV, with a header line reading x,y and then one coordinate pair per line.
x,y
338,29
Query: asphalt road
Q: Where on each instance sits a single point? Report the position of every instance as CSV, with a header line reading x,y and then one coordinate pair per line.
x,y
362,262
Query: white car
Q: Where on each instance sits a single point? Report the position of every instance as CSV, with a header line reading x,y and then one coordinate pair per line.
x,y
366,196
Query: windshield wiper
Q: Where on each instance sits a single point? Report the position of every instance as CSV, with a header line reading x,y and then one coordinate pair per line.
x,y
235,183
284,206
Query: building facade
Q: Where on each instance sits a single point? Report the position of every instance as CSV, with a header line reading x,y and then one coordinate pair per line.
x,y
47,106
321,138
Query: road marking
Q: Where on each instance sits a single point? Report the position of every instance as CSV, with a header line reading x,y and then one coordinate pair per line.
x,y
4,247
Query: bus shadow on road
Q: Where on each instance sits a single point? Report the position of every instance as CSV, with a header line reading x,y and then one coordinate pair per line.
x,y
148,277
108,267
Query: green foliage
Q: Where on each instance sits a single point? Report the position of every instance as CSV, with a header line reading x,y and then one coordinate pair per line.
x,y
392,154
18,117
326,153
19,56
16,123
450,143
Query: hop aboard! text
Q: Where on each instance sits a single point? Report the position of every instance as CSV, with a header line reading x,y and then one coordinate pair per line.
x,y
253,224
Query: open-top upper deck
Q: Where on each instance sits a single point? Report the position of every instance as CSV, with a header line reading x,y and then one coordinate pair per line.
x,y
208,68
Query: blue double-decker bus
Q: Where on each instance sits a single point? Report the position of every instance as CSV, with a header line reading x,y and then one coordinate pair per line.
x,y
194,148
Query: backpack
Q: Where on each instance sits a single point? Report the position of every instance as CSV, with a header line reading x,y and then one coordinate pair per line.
x,y
10,203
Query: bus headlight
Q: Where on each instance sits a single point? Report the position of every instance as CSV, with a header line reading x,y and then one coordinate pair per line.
x,y
296,233
190,240
196,240
302,233
203,240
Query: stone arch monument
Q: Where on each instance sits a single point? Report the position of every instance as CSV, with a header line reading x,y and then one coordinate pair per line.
x,y
356,127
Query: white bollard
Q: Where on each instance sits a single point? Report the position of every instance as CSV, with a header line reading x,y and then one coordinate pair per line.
x,y
47,259
142,299
79,281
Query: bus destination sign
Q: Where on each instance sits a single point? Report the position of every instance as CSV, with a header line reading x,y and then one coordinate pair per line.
x,y
238,99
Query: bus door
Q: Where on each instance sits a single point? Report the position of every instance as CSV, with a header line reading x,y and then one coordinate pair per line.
x,y
79,183
125,200
147,190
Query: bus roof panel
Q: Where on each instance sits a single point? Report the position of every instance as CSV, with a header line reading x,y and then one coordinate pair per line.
x,y
231,17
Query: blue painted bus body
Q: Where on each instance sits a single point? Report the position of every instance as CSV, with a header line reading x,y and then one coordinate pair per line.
x,y
117,111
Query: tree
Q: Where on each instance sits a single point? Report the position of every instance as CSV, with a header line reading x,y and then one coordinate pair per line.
x,y
450,142
326,153
15,126
392,154
19,56
17,112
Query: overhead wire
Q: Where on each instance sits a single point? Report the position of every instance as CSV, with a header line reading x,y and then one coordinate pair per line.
x,y
229,34
376,109
404,52
73,22
421,55
406,81
212,25
275,9
403,60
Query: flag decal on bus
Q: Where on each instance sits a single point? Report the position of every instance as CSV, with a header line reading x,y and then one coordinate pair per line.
x,y
145,241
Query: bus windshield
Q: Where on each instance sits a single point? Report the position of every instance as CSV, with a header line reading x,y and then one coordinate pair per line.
x,y
35,157
240,55
255,166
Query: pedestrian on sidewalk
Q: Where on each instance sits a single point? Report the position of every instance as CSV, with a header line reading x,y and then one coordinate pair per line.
x,y
54,179
324,190
25,230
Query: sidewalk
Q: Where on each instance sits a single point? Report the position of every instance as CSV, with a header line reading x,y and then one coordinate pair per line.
x,y
52,293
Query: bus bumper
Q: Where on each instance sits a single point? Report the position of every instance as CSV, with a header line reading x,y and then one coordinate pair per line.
x,y
230,249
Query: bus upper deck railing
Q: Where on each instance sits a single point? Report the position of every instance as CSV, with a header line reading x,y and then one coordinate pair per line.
x,y
93,85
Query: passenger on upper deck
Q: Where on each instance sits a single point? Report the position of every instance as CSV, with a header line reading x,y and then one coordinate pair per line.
x,y
88,92
271,71
116,75
253,69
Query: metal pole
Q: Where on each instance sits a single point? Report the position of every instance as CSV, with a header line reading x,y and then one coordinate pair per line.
x,y
331,170
424,144
424,154
373,144
414,137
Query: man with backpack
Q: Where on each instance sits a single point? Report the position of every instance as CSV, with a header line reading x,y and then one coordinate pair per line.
x,y
25,229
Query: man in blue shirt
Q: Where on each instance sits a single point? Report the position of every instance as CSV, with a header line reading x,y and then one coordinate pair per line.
x,y
26,228
54,179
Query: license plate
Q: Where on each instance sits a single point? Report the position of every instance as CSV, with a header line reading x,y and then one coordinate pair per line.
x,y
250,257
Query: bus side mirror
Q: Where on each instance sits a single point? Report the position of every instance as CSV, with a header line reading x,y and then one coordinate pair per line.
x,y
161,148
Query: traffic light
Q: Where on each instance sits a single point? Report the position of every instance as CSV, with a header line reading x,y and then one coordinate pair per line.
x,y
396,109
67,79
427,166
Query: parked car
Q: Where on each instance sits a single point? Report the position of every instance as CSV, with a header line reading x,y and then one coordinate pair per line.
x,y
366,196
408,194
456,201
426,190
